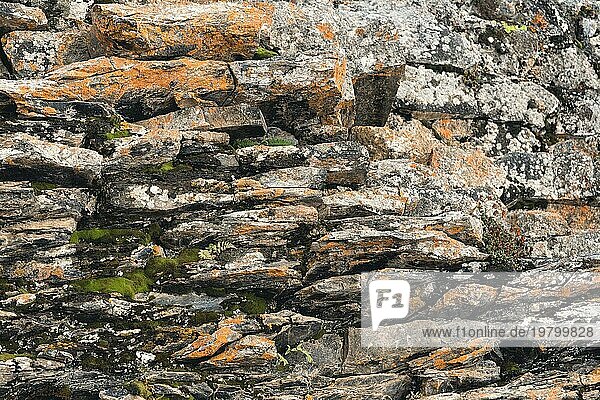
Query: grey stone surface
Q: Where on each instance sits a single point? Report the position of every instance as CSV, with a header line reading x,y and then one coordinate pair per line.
x,y
189,192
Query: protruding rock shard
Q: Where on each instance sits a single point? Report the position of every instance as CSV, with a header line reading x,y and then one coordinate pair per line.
x,y
137,89
212,31
15,16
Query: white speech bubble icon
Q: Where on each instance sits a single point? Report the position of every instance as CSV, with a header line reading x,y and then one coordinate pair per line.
x,y
389,300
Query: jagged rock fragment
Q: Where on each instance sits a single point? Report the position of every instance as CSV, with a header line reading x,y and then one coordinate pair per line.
x,y
427,94
250,351
33,54
347,249
214,30
137,89
384,200
346,163
24,201
411,140
566,172
207,345
243,119
24,156
295,93
15,16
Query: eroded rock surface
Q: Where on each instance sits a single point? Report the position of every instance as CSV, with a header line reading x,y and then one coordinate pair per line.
x,y
189,191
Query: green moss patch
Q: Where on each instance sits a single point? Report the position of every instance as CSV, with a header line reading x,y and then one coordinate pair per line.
x,y
203,317
128,285
117,131
157,266
277,141
7,356
98,235
41,186
249,303
188,256
139,388
513,28
215,291
241,143
272,141
10,356
262,54
161,265
117,134
167,167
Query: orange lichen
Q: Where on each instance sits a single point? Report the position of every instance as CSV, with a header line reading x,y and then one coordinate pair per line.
x,y
278,272
581,217
247,183
539,21
239,350
469,356
326,31
443,128
438,363
109,79
268,356
233,320
218,31
207,345
593,377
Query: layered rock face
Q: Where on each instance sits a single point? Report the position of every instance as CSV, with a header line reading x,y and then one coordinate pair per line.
x,y
189,191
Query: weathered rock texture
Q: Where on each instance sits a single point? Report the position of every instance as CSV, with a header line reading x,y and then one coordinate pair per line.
x,y
190,190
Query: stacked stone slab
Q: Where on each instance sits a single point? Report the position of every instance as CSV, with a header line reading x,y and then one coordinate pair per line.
x,y
189,191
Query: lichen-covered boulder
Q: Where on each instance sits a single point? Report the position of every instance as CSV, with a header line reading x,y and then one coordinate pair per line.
x,y
33,54
137,89
214,30
15,16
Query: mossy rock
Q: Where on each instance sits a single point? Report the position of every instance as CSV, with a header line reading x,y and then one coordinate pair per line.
x,y
10,356
249,303
98,235
279,141
272,141
39,187
117,130
167,167
158,266
262,54
241,143
203,317
215,291
128,285
139,388
117,134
